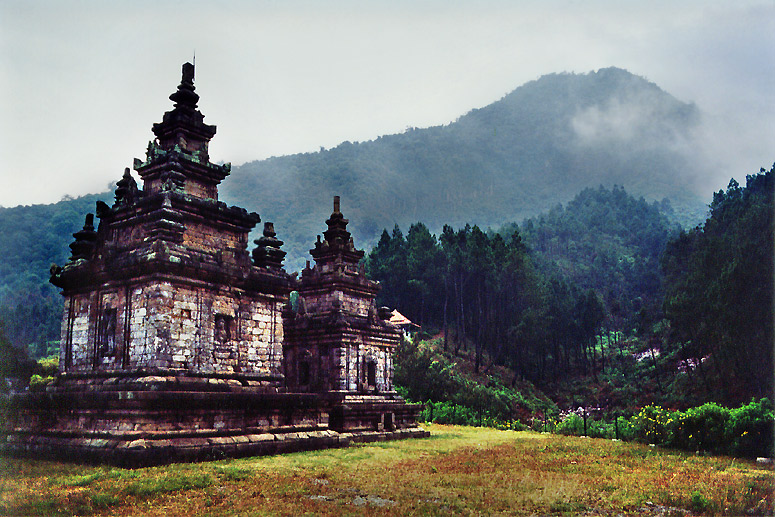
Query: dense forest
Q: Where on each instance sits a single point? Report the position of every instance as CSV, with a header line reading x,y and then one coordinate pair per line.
x,y
535,296
719,292
588,290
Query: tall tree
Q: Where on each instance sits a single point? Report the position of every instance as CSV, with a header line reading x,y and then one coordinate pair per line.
x,y
719,291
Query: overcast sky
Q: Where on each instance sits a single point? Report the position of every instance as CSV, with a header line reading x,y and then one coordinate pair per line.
x,y
82,82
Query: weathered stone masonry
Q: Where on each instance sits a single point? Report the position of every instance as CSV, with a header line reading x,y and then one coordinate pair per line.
x,y
178,344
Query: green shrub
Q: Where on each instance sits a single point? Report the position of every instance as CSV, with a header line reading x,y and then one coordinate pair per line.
x,y
600,429
627,430
449,413
572,424
512,425
745,431
38,383
750,429
702,428
47,366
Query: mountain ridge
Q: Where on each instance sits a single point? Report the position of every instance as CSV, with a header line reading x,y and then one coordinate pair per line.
x,y
537,146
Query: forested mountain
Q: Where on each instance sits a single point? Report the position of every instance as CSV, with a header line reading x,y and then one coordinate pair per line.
x,y
608,241
534,296
520,156
536,147
589,290
31,239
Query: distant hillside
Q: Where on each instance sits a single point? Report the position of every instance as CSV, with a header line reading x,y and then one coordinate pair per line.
x,y
31,239
536,147
607,241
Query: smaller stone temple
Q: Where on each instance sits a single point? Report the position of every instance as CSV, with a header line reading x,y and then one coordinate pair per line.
x,y
178,344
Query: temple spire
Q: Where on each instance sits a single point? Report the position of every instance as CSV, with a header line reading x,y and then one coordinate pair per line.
x,y
185,119
185,96
178,159
337,242
267,252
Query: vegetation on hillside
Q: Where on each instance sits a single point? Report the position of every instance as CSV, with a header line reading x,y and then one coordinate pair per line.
x,y
31,239
719,284
608,241
549,298
576,301
538,146
454,393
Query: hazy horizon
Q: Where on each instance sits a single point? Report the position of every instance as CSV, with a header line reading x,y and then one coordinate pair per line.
x,y
86,80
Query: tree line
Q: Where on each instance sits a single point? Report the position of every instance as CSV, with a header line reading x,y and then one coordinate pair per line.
x,y
555,295
484,293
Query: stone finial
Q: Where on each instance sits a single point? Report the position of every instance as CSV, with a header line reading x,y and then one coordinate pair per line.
x,y
126,188
179,156
102,209
188,74
267,252
185,96
85,240
337,245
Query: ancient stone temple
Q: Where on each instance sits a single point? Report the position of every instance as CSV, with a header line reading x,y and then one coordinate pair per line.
x,y
178,344
338,343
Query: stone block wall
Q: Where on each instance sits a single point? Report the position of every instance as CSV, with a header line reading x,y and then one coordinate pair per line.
x,y
170,326
75,334
359,356
200,190
126,236
348,302
354,364
206,238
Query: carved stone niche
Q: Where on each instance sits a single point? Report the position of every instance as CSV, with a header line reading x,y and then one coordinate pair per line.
x,y
107,333
223,329
225,354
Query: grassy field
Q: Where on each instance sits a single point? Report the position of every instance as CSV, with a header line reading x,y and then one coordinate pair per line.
x,y
459,470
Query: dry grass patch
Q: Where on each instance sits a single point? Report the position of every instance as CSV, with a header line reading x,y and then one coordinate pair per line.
x,y
462,470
